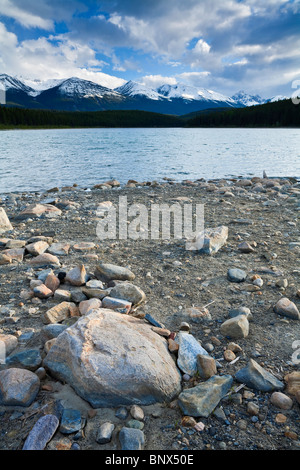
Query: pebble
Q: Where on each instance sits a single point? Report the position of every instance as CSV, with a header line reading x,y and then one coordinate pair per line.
x,y
236,275
135,424
104,434
108,272
70,421
252,408
229,355
131,439
254,376
121,413
41,433
236,327
206,366
137,412
18,387
42,292
282,401
287,308
77,276
189,349
37,248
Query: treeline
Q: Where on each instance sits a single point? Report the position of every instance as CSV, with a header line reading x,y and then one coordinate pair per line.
x,y
279,114
32,118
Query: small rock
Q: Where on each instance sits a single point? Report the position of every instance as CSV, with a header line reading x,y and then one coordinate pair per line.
x,y
62,295
18,387
280,418
234,312
236,328
5,224
29,359
39,210
5,259
210,241
137,412
37,248
86,305
9,343
70,421
52,282
293,382
252,408
206,366
84,246
135,424
131,439
77,276
104,434
287,308
61,312
245,247
282,401
59,249
129,292
42,292
189,349
254,376
121,306
45,259
236,275
108,272
42,432
121,413
203,399
229,355
282,283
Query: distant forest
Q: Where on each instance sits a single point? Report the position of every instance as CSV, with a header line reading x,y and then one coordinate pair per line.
x,y
32,118
279,114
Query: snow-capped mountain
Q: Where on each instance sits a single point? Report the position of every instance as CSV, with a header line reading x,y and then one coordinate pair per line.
x,y
76,94
134,89
190,93
13,83
278,98
83,88
40,85
248,100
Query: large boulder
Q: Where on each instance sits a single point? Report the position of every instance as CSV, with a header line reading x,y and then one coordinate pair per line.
x,y
112,359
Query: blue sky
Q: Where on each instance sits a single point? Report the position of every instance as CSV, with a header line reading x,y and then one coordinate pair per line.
x,y
223,45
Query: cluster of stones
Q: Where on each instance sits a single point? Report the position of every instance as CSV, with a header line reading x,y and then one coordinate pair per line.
x,y
149,362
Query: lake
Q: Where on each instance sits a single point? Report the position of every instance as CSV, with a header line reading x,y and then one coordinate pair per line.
x,y
36,160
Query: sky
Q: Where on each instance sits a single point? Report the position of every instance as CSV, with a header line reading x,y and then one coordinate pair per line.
x,y
222,45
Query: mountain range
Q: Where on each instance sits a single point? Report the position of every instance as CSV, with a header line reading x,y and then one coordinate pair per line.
x,y
75,94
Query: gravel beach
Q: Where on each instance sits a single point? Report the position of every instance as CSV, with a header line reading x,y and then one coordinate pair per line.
x,y
213,337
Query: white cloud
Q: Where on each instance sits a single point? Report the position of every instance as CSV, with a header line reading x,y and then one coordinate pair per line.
x,y
51,58
29,20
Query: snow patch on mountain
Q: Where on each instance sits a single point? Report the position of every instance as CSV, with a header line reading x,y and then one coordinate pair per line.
x,y
13,83
187,92
84,88
248,100
133,89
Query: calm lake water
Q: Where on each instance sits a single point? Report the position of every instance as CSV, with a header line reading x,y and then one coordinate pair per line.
x,y
36,160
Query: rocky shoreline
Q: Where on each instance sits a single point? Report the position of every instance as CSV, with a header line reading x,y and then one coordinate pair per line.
x,y
141,343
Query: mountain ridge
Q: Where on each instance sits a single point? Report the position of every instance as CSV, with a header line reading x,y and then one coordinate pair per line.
x,y
76,94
